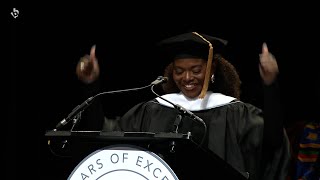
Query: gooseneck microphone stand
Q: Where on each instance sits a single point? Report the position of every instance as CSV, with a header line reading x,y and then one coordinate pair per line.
x,y
74,115
183,112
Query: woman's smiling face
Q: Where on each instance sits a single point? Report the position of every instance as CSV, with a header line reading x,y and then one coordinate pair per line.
x,y
189,75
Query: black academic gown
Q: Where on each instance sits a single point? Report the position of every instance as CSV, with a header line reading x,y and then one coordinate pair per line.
x,y
234,133
244,136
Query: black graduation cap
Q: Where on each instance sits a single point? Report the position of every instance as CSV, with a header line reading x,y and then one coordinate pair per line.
x,y
192,44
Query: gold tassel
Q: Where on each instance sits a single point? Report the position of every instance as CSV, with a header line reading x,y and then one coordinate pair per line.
x,y
208,68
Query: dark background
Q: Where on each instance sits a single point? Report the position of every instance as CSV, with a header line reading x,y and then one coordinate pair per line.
x,y
47,40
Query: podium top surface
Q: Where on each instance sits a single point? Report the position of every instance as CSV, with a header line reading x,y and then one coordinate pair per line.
x,y
116,135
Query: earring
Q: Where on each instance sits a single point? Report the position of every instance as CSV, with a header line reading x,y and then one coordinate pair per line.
x,y
212,78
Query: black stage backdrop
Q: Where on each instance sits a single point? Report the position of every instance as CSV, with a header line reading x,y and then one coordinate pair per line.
x,y
47,41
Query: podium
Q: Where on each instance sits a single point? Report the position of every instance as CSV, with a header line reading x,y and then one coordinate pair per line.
x,y
172,153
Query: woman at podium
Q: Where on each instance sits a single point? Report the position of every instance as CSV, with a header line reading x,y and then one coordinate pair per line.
x,y
202,96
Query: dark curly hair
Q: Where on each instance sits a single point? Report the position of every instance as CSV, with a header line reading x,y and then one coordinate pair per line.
x,y
227,80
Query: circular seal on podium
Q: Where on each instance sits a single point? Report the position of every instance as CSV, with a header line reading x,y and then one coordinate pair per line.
x,y
122,162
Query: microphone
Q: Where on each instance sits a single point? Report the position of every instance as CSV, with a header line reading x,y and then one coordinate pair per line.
x,y
186,112
160,80
78,109
189,113
74,112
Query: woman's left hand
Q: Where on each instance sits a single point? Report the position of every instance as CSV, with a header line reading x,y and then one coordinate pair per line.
x,y
268,66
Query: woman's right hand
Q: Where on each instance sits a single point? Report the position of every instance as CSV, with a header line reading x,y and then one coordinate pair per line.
x,y
87,68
